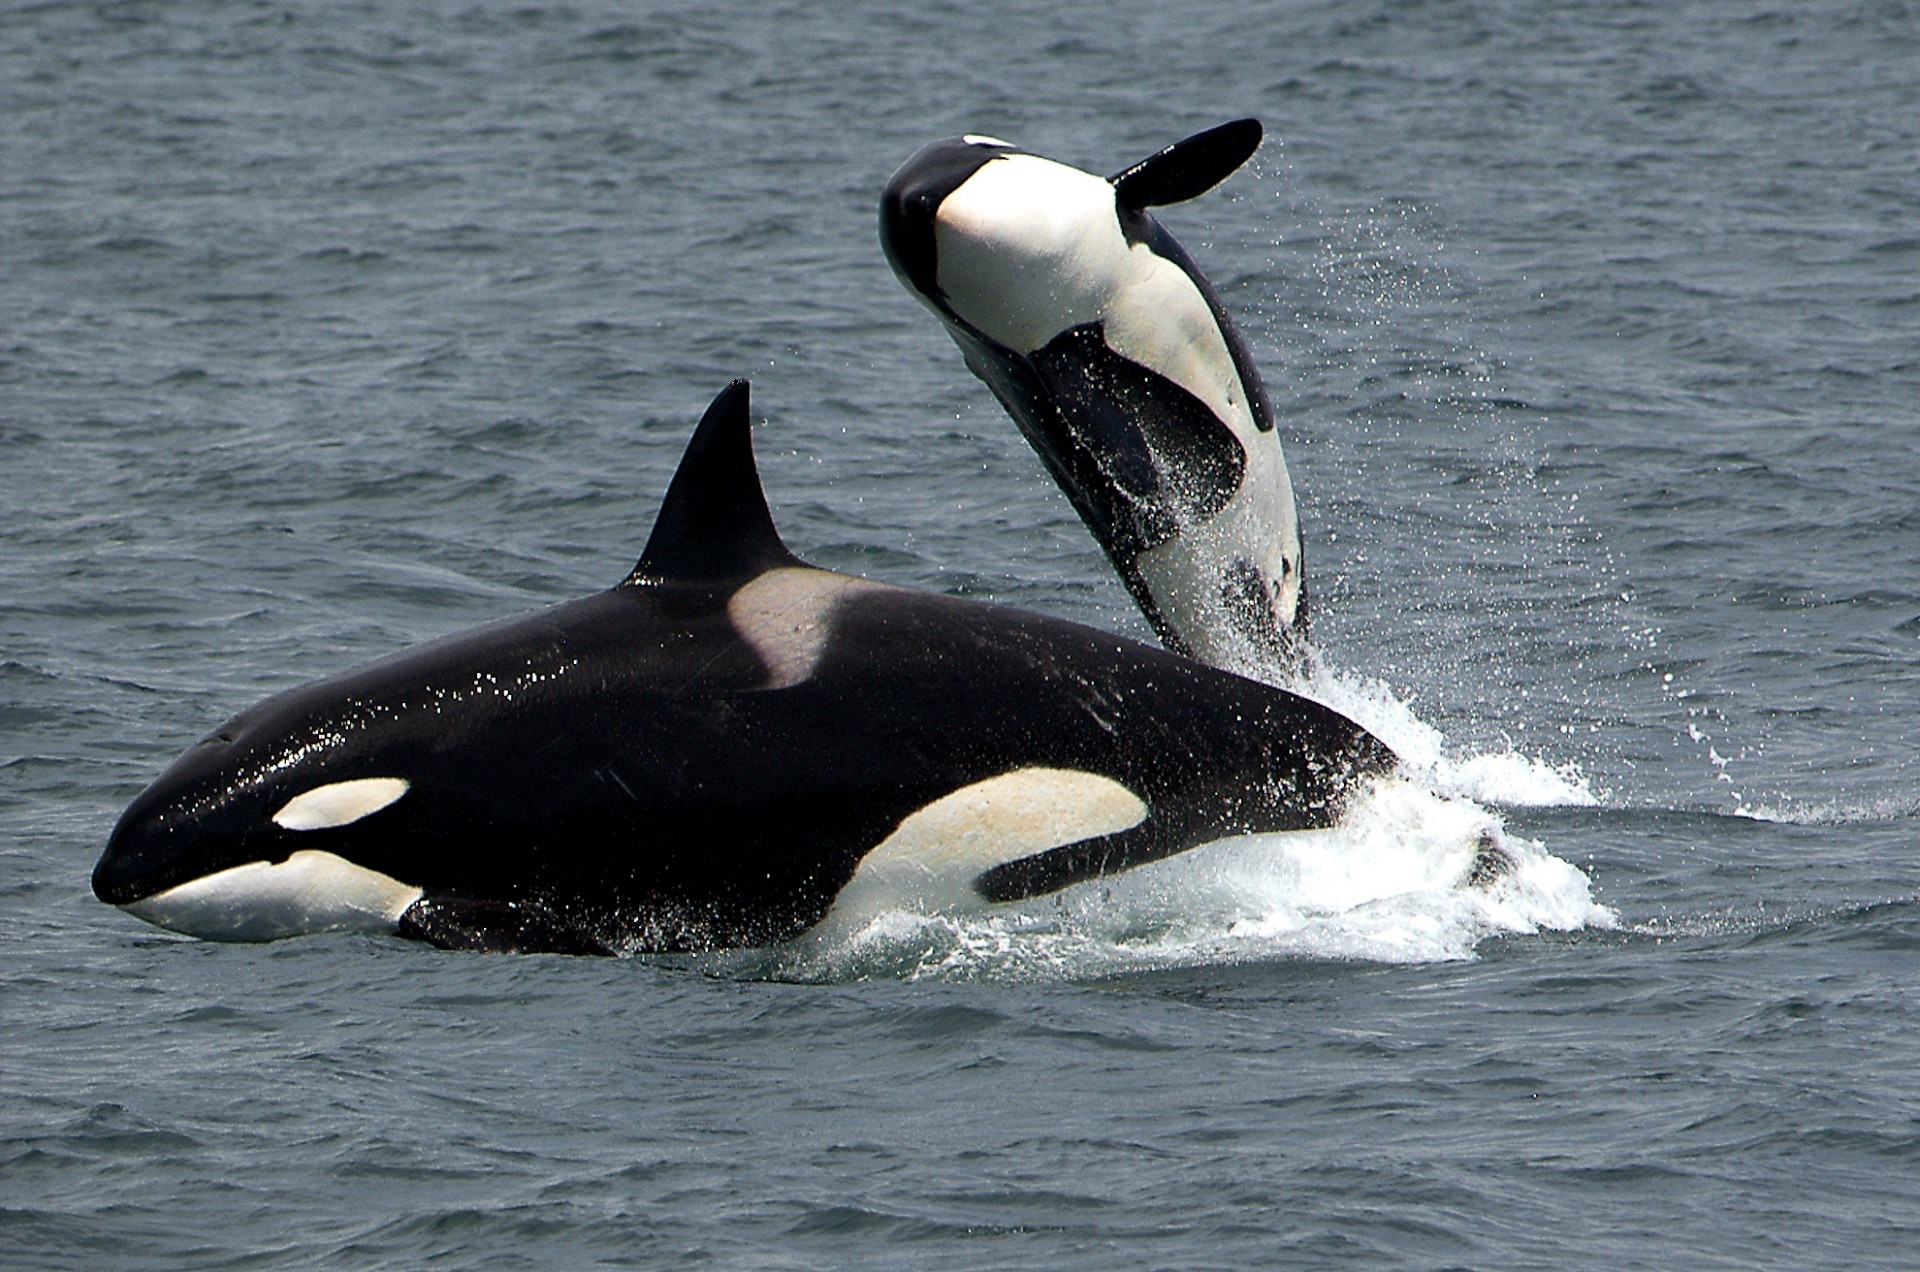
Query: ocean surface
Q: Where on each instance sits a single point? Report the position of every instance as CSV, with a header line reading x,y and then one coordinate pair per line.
x,y
1594,334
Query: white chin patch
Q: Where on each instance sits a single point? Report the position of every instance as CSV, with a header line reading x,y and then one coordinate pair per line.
x,y
934,855
308,892
339,803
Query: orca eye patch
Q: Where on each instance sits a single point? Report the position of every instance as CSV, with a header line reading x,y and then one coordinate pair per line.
x,y
339,803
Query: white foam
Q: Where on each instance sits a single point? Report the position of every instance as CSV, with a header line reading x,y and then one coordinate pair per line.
x,y
1507,777
1391,883
1828,812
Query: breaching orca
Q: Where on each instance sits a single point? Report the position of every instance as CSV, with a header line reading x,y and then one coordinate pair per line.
x,y
1111,351
707,754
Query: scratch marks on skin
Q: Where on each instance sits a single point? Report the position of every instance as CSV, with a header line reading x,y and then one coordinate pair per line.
x,y
786,616
613,775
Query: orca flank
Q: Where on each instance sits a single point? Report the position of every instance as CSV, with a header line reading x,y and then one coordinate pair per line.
x,y
709,753
1111,351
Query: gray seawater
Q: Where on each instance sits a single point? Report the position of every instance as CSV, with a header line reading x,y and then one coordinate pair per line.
x,y
1595,335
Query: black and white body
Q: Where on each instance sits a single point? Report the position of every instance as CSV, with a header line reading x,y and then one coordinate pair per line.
x,y
710,753
1111,351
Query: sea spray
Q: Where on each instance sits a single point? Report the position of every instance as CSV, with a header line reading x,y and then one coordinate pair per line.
x,y
1507,777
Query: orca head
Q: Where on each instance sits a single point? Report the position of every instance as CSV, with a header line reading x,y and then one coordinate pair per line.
x,y
1019,248
910,205
284,821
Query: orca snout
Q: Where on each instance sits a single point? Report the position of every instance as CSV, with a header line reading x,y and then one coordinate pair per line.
x,y
183,818
160,842
122,874
911,204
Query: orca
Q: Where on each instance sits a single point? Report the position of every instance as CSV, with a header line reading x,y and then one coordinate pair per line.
x,y
707,754
1112,352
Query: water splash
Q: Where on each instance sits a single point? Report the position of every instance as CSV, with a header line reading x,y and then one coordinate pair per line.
x,y
1509,777
1409,875
1506,777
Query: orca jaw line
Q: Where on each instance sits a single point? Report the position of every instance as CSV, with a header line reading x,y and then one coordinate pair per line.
x,y
311,891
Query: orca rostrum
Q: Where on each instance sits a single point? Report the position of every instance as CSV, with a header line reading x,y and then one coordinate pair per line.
x,y
1112,352
709,753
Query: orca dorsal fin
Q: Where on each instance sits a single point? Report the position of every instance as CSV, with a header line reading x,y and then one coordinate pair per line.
x,y
1187,169
714,524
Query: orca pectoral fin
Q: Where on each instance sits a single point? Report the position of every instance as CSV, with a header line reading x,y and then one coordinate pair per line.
x,y
1189,168
1151,437
1073,863
494,927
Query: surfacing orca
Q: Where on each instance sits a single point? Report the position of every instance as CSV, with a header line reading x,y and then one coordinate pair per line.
x,y
707,754
1111,351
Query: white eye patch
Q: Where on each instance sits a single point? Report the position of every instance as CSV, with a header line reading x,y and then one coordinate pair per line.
x,y
339,803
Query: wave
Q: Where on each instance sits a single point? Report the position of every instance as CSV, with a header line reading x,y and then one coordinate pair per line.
x,y
1793,812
